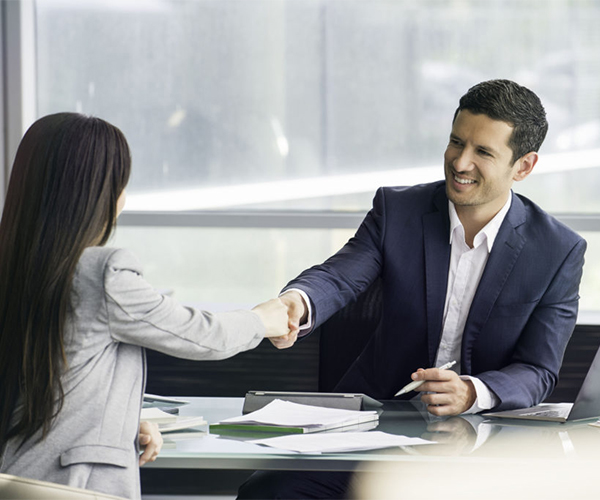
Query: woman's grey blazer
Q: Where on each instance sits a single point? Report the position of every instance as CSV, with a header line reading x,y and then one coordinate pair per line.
x,y
115,314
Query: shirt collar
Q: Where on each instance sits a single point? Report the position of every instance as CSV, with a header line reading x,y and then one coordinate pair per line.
x,y
489,231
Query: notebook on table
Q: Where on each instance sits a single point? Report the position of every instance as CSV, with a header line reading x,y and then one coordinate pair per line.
x,y
586,405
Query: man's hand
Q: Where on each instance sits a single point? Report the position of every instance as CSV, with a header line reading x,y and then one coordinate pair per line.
x,y
450,394
296,315
151,442
274,315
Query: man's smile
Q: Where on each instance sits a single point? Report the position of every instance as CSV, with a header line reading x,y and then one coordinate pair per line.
x,y
464,181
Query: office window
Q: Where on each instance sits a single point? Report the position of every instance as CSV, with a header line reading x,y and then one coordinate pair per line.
x,y
262,105
231,104
227,267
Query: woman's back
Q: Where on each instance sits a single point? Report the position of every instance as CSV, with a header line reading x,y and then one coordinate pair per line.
x,y
92,442
75,316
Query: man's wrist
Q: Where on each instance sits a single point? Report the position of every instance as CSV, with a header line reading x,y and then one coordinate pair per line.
x,y
485,399
306,321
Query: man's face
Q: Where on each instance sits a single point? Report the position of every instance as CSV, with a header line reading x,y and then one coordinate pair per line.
x,y
478,164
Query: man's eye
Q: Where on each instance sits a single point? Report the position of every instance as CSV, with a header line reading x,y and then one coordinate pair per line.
x,y
483,152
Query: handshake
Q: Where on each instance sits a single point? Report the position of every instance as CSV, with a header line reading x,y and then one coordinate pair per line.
x,y
282,318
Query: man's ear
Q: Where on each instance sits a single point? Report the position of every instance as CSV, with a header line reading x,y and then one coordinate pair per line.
x,y
525,165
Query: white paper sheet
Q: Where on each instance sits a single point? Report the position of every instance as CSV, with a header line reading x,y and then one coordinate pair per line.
x,y
334,442
288,414
207,444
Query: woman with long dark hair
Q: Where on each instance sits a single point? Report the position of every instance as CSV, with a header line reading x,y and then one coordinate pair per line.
x,y
75,316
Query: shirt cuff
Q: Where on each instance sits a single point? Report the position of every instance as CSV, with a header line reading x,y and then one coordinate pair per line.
x,y
307,326
485,400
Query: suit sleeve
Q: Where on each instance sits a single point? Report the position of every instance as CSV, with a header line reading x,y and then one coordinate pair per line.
x,y
342,277
533,370
138,314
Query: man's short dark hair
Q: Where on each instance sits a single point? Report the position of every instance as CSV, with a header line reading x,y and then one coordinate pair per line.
x,y
511,103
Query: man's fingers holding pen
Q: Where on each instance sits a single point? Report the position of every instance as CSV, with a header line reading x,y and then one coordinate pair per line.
x,y
430,374
447,395
436,380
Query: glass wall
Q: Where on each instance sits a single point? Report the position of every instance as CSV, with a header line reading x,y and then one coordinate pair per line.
x,y
310,105
239,266
237,103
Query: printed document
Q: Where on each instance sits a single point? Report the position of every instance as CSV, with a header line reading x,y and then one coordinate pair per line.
x,y
335,442
285,416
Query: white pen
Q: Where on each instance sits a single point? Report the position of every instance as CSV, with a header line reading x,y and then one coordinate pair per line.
x,y
413,385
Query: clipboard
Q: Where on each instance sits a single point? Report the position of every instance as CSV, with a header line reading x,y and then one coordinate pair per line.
x,y
254,400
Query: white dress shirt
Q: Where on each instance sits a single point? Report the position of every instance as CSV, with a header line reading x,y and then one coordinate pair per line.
x,y
466,267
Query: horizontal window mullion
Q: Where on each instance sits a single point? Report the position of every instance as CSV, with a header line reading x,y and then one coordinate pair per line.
x,y
275,219
292,220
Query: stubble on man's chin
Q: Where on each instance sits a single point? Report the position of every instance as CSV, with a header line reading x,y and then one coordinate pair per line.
x,y
452,196
458,202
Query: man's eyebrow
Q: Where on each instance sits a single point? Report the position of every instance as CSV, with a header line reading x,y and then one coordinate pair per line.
x,y
483,147
488,149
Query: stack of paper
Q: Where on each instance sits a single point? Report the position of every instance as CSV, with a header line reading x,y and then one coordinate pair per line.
x,y
171,423
157,416
183,424
292,418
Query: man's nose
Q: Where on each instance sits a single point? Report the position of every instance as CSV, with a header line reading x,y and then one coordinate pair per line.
x,y
464,161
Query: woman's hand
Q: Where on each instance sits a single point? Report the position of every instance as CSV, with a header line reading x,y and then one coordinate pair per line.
x,y
151,442
274,315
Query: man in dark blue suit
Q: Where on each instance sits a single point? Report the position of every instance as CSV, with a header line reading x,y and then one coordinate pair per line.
x,y
470,272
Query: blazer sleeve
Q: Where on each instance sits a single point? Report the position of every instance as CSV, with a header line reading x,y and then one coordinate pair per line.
x,y
342,277
533,370
138,314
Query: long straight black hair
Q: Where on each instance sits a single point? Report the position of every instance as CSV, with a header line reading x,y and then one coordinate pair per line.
x,y
68,174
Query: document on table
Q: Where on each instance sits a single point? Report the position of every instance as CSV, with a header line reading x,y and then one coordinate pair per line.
x,y
285,416
336,442
171,423
157,416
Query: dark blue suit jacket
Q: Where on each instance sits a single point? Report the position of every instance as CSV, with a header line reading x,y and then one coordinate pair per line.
x,y
521,318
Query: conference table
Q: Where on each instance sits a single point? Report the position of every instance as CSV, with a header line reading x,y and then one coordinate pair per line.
x,y
467,453
563,455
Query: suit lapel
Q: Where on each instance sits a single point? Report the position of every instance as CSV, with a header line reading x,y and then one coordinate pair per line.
x,y
505,252
436,235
